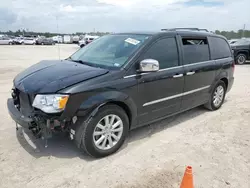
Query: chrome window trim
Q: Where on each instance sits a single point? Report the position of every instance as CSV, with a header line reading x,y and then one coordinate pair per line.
x,y
175,96
198,63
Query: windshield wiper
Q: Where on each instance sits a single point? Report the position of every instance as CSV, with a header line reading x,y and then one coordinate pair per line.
x,y
78,61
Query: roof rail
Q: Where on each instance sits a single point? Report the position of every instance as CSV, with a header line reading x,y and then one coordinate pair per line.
x,y
183,28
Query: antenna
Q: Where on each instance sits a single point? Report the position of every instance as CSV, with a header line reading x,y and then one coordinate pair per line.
x,y
58,45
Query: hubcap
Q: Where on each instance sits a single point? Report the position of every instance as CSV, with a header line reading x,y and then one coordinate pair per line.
x,y
108,132
218,96
241,59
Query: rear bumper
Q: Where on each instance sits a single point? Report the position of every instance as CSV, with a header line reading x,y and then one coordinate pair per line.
x,y
230,84
17,116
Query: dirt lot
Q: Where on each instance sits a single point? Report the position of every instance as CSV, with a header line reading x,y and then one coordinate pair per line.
x,y
215,144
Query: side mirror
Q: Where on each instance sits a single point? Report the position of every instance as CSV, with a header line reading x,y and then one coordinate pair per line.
x,y
149,65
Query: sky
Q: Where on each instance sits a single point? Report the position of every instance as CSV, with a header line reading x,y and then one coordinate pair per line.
x,y
122,15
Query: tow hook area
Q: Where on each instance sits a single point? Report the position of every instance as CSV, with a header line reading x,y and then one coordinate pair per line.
x,y
43,128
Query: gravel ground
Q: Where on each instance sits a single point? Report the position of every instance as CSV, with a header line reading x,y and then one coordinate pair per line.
x,y
215,144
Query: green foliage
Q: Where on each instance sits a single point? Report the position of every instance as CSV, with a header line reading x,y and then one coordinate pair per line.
x,y
233,34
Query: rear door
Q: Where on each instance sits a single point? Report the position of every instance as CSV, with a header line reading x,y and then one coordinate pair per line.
x,y
160,92
199,71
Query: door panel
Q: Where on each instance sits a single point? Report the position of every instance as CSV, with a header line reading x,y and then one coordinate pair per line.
x,y
199,70
198,79
161,94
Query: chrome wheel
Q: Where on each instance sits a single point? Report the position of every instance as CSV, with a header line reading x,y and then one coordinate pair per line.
x,y
241,59
218,96
108,132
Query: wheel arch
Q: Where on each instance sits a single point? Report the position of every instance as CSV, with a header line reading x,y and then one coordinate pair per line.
x,y
225,80
90,105
222,76
243,52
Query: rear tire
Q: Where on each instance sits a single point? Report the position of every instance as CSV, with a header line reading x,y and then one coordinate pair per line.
x,y
241,59
217,96
112,140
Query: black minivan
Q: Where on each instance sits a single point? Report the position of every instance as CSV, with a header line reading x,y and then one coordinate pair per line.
x,y
120,82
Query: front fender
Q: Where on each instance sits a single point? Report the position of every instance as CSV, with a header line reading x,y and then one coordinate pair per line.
x,y
85,104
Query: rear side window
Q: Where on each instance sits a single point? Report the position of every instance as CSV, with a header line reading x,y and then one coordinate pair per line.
x,y
195,50
219,48
165,51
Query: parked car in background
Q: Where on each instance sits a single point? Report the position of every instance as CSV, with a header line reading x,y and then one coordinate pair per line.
x,y
57,39
75,39
86,40
6,40
29,41
45,41
18,40
67,39
121,82
241,50
232,41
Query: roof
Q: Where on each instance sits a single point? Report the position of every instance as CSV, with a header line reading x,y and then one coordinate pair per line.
x,y
171,32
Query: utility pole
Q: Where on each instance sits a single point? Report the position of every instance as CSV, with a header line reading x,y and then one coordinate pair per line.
x,y
243,32
58,46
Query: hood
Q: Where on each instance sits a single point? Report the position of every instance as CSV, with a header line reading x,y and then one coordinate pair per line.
x,y
239,46
51,76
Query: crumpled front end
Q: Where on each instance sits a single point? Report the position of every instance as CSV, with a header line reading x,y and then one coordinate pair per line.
x,y
23,113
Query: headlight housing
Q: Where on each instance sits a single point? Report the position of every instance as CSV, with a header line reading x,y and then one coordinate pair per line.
x,y
50,103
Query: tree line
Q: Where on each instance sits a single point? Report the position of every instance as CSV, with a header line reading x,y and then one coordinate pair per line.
x,y
234,35
47,34
227,34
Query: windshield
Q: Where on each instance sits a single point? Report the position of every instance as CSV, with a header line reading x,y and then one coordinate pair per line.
x,y
243,42
110,51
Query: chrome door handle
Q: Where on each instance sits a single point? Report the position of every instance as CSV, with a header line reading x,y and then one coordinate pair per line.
x,y
177,75
190,73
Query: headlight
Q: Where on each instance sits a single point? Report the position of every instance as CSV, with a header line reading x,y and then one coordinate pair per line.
x,y
50,103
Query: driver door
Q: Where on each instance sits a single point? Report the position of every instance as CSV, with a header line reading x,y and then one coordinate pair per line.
x,y
161,91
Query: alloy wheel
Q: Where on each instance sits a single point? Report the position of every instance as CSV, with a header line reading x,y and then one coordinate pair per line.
x,y
241,59
218,96
108,132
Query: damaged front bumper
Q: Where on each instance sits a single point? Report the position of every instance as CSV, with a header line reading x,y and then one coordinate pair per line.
x,y
41,125
16,115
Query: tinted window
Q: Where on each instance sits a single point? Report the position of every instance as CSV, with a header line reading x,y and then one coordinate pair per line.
x,y
219,48
110,51
195,50
165,51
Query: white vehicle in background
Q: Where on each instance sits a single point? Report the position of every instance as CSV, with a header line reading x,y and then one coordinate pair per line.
x,y
57,39
75,39
18,40
29,41
67,39
86,40
6,40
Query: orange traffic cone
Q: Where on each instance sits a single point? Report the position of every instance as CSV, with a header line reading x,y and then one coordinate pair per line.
x,y
187,181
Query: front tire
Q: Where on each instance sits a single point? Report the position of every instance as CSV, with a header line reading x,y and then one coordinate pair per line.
x,y
217,96
241,59
104,133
